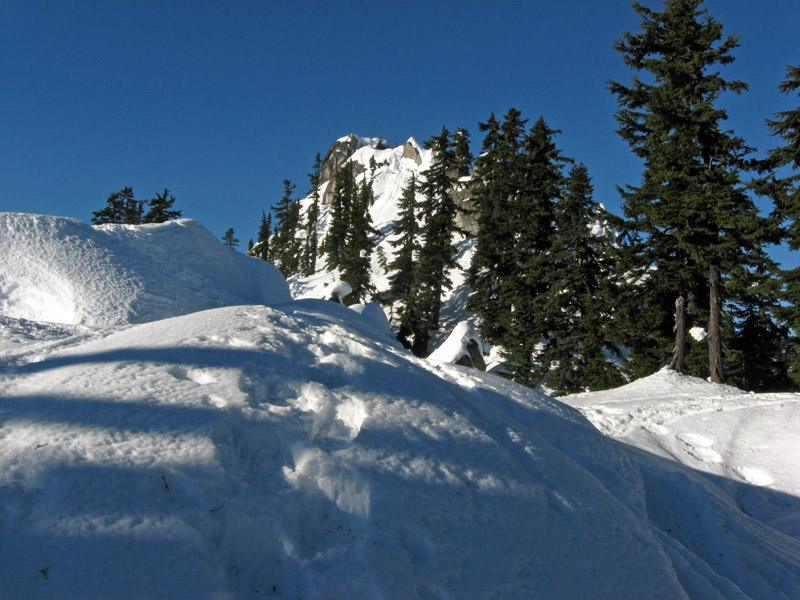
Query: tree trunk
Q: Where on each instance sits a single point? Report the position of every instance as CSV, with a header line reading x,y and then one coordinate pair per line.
x,y
679,351
714,330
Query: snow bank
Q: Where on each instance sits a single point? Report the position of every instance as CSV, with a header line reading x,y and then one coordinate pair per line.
x,y
290,452
64,271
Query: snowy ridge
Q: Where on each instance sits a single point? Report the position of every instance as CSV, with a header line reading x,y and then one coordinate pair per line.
x,y
61,270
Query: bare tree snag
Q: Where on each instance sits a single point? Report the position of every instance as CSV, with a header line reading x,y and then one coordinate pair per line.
x,y
679,351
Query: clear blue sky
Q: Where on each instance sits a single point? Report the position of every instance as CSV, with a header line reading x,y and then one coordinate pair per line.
x,y
222,101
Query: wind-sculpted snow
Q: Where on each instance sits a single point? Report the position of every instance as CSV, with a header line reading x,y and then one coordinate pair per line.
x,y
64,271
294,452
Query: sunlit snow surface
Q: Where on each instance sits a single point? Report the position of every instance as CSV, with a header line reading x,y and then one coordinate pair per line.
x,y
295,451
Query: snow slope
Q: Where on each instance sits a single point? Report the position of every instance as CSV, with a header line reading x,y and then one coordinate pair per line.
x,y
61,270
748,443
295,451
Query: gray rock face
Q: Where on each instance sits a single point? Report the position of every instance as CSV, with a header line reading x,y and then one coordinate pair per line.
x,y
474,358
335,158
465,218
410,151
337,155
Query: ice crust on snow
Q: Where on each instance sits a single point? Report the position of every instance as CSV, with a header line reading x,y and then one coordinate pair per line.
x,y
294,450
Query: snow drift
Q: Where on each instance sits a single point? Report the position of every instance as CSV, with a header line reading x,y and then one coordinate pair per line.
x,y
295,451
61,270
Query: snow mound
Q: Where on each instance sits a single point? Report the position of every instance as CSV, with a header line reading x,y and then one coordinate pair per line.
x,y
291,451
463,346
64,271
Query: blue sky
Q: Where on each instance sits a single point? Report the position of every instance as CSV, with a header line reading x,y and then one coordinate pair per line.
x,y
222,101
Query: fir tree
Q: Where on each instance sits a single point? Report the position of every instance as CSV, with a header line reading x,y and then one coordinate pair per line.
x,y
359,243
462,156
160,208
344,194
690,218
230,240
403,265
285,247
782,185
437,254
121,207
497,180
112,212
534,311
581,279
309,261
261,249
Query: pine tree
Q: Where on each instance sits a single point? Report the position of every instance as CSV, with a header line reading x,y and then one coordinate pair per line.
x,y
690,218
229,238
160,208
403,265
309,261
261,249
462,155
581,279
359,243
759,352
285,247
497,180
437,254
782,185
112,212
344,194
534,311
121,207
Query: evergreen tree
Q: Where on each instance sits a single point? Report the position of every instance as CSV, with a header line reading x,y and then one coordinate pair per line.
x,y
261,249
782,185
437,254
582,283
344,194
403,266
121,207
759,352
112,212
160,208
285,247
691,220
497,181
359,243
534,311
462,156
229,238
309,261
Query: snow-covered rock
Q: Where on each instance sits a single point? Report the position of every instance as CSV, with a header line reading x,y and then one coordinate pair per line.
x,y
462,347
62,270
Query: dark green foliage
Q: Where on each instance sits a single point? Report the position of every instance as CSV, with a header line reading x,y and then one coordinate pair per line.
x,y
533,309
121,207
230,240
581,336
344,194
462,156
285,246
160,208
759,352
403,266
309,259
261,249
437,253
359,243
690,218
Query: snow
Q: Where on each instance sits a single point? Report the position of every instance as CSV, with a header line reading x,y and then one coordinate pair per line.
x,y
294,450
455,346
64,271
